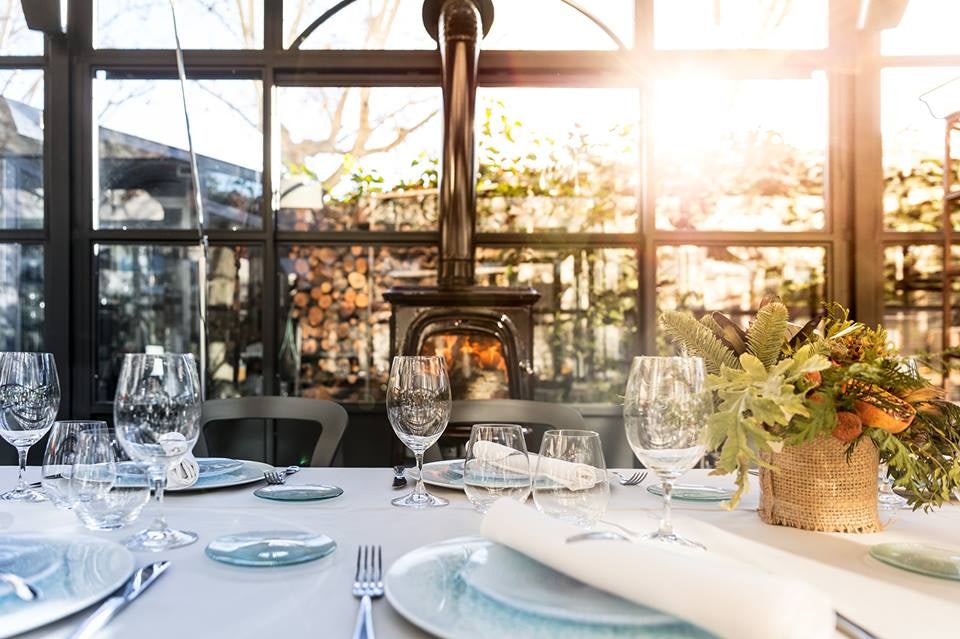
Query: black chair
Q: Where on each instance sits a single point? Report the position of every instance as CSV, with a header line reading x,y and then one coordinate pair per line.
x,y
536,418
331,417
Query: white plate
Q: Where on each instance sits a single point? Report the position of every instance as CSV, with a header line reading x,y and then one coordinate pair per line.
x,y
71,572
248,472
444,474
432,588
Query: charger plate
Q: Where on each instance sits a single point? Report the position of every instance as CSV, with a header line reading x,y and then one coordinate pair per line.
x,y
70,572
466,589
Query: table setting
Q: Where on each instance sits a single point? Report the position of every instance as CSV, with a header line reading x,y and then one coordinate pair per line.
x,y
506,541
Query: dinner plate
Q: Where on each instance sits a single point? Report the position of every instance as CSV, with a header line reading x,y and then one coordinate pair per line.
x,y
693,492
444,474
247,472
446,589
70,572
208,466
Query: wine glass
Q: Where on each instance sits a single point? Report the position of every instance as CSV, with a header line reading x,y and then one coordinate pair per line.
x,y
570,479
496,465
157,416
665,413
58,458
418,406
29,400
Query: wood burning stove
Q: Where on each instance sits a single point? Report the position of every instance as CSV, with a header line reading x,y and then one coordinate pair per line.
x,y
484,333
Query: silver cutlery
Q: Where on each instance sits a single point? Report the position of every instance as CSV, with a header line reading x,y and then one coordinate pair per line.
x,y
275,477
399,477
631,480
140,581
850,629
367,586
21,588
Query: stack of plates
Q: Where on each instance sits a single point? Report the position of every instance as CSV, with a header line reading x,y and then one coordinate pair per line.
x,y
475,589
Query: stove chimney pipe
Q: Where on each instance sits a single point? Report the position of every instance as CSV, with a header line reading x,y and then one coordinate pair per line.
x,y
458,26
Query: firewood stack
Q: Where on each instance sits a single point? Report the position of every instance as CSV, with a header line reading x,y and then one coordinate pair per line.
x,y
343,321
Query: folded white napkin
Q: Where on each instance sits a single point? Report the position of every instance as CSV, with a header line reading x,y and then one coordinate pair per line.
x,y
573,476
184,473
724,596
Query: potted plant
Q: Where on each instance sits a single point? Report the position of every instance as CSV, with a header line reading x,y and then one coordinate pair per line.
x,y
816,407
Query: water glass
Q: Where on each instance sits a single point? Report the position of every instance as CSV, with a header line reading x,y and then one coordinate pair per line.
x,y
496,465
29,401
59,456
887,499
665,413
108,490
418,407
157,416
570,478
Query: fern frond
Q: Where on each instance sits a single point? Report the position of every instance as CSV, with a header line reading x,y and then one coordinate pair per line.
x,y
767,333
698,340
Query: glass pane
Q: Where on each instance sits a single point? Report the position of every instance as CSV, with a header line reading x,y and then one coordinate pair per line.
x,y
734,279
144,167
560,160
234,321
372,24
740,24
204,24
549,24
913,149
585,328
349,168
336,331
147,296
21,297
15,37
751,161
21,149
928,27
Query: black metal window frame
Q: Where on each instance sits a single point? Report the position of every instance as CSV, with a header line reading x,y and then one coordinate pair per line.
x,y
851,237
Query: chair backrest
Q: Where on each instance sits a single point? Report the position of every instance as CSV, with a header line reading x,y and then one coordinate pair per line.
x,y
535,417
331,417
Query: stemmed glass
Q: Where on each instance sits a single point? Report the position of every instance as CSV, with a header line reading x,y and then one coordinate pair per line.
x,y
29,400
418,407
665,413
157,416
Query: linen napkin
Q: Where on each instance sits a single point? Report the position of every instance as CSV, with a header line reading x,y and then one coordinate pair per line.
x,y
571,475
186,472
729,598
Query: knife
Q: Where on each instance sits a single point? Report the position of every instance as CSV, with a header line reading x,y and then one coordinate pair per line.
x,y
140,581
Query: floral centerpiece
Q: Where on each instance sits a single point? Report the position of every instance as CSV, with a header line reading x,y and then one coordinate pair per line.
x,y
816,407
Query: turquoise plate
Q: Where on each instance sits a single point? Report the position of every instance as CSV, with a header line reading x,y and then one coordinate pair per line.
x,y
444,474
248,472
302,492
693,492
450,591
270,548
932,561
70,572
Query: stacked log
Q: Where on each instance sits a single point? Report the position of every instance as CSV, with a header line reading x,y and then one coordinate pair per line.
x,y
344,323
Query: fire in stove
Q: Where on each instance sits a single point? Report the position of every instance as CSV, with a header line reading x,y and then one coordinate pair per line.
x,y
475,363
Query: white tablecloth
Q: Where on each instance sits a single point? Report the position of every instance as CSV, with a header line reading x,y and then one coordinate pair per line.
x,y
202,598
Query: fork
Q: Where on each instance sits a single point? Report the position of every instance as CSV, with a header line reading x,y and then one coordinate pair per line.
x,y
367,586
275,477
632,480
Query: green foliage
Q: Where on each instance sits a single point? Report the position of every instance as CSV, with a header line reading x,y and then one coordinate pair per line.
x,y
755,405
698,340
767,333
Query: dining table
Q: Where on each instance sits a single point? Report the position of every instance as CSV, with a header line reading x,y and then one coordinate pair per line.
x,y
199,597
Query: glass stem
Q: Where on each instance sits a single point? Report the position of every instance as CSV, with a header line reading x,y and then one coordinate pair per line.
x,y
159,480
666,524
419,490
22,457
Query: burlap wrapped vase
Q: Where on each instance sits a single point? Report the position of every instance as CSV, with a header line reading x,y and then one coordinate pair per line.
x,y
815,487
